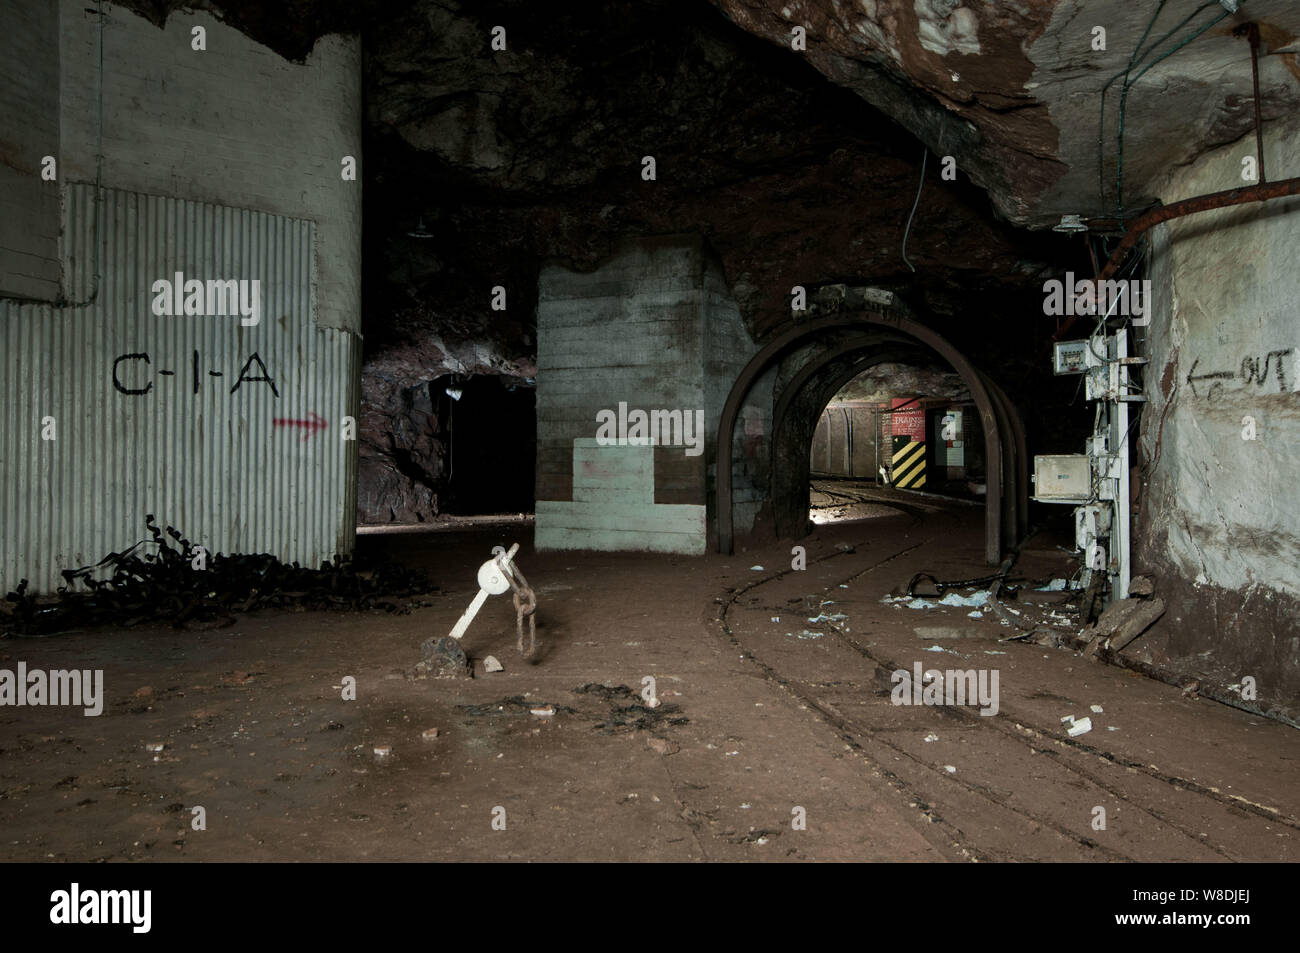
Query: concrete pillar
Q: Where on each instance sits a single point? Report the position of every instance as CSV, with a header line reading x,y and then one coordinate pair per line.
x,y
635,361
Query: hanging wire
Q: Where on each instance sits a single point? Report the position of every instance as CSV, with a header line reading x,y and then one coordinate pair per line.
x,y
1139,55
1101,122
1128,84
925,154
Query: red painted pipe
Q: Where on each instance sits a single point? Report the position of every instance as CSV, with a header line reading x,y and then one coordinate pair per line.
x,y
1201,203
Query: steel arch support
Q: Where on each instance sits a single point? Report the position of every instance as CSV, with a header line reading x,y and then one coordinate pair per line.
x,y
896,351
802,332
1021,446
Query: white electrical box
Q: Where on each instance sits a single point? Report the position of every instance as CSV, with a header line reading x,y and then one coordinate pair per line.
x,y
1064,478
1070,357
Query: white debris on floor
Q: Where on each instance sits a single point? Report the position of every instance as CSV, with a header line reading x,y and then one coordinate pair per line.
x,y
975,600
1076,726
828,617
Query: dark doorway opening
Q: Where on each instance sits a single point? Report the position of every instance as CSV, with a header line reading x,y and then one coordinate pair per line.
x,y
493,446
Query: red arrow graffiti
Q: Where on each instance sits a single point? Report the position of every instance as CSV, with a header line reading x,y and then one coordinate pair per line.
x,y
310,425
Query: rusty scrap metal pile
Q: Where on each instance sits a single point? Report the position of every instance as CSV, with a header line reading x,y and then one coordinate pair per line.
x,y
183,585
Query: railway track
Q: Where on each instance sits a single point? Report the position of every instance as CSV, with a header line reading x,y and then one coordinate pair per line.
x,y
963,810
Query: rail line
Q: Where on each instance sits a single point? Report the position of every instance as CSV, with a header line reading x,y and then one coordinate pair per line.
x,y
1063,752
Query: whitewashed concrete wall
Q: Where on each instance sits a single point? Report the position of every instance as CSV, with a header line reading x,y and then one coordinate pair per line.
x,y
1219,517
29,108
234,125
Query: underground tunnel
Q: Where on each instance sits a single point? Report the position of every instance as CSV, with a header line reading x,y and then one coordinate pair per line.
x,y
649,430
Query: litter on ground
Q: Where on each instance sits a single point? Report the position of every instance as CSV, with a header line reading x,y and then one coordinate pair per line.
x,y
974,599
831,617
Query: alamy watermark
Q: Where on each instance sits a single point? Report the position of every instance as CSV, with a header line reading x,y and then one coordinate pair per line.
x,y
657,428
216,296
78,688
77,906
1130,298
950,687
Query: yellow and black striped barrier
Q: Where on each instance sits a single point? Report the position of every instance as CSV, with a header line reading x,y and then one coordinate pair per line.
x,y
908,470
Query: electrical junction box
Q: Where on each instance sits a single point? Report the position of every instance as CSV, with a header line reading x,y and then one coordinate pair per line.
x,y
1063,479
1102,382
1069,357
1101,376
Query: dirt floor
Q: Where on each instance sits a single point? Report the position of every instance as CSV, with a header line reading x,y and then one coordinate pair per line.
x,y
774,736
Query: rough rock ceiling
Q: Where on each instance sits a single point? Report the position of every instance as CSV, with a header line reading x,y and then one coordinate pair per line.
x,y
891,380
1012,88
534,154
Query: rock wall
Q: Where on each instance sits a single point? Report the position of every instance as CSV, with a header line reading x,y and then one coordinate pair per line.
x,y
1221,432
404,430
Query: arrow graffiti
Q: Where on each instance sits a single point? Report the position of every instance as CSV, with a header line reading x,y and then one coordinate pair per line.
x,y
1217,377
309,426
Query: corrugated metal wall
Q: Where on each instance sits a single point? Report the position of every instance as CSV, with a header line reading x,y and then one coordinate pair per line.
x,y
844,442
200,449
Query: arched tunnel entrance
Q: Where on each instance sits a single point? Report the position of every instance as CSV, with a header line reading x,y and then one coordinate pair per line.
x,y
851,343
904,423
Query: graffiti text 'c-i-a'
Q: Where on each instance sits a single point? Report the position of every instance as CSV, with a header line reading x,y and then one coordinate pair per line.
x,y
131,373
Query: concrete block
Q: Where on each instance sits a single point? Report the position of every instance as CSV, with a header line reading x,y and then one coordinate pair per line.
x,y
581,526
637,518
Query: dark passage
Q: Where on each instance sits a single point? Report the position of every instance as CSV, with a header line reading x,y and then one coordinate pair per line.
x,y
493,448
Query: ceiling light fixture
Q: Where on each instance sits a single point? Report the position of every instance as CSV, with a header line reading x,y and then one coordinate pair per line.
x,y
1070,223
